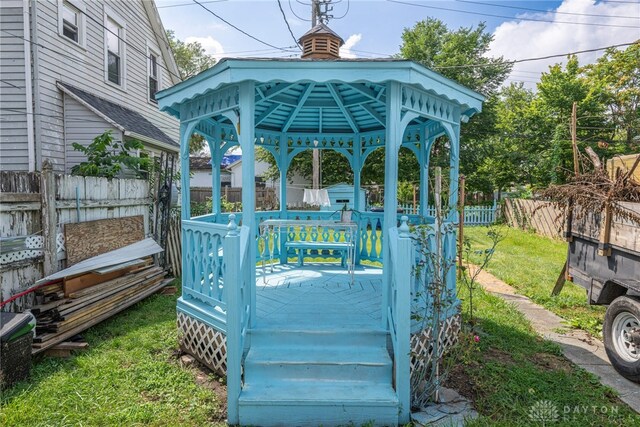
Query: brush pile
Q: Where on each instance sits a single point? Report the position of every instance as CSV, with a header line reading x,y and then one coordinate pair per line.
x,y
595,191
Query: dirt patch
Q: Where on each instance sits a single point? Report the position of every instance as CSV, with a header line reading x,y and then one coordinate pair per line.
x,y
459,380
207,379
551,362
499,356
149,397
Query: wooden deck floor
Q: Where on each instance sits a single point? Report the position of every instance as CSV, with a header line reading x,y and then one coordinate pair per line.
x,y
319,296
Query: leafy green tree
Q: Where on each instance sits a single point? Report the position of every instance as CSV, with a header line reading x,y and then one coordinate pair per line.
x,y
461,55
107,157
191,59
616,77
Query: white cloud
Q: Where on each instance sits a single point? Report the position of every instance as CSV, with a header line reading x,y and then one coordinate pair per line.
x,y
527,39
210,45
345,50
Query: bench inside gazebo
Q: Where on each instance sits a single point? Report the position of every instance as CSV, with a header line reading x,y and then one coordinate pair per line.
x,y
316,342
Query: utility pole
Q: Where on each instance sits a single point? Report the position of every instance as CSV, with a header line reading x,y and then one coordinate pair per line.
x,y
314,13
574,138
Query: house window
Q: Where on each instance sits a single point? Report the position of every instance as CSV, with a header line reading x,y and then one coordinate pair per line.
x,y
71,21
154,81
114,52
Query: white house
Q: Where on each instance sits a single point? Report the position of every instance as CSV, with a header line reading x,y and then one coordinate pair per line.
x,y
295,185
72,69
201,174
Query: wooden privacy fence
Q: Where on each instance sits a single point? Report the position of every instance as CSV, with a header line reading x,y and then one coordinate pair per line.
x,y
35,206
264,196
535,215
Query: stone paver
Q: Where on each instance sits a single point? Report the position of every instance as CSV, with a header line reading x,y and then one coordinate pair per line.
x,y
451,410
578,346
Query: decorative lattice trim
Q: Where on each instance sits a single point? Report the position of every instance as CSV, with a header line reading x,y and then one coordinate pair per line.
x,y
206,344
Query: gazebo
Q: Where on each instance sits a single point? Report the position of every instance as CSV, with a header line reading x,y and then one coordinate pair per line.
x,y
305,344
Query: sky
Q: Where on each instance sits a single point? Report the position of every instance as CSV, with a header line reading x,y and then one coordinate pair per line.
x,y
373,28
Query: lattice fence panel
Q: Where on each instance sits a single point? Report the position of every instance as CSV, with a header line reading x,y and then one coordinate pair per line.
x,y
203,342
421,347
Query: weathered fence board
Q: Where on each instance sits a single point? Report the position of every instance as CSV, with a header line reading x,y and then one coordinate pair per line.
x,y
29,208
535,215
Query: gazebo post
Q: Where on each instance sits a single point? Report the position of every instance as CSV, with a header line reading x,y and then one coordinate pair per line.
x,y
283,165
356,166
393,138
454,170
246,136
425,154
216,160
185,133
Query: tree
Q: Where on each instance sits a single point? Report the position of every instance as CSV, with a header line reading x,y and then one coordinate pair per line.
x,y
106,157
616,75
461,56
191,59
458,55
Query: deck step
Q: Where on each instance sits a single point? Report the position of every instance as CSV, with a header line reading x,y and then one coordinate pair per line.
x,y
314,403
317,377
363,363
318,337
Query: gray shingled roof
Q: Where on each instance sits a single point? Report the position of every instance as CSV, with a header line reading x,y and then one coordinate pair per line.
x,y
130,120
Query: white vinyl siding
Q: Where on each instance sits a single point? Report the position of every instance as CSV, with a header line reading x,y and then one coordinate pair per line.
x,y
81,126
13,97
85,69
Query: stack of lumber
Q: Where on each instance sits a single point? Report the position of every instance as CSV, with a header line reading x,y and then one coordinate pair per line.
x,y
74,303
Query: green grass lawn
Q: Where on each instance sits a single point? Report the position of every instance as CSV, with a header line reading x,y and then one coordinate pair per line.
x,y
128,376
531,264
512,368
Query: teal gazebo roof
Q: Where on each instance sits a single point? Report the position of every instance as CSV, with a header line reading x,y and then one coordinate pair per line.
x,y
344,96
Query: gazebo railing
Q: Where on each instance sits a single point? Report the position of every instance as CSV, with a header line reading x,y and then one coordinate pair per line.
x,y
203,276
368,242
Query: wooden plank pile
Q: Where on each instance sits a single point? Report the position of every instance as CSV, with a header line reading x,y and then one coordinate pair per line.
x,y
74,303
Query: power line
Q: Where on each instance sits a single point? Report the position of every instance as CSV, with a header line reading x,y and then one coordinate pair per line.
x,y
73,58
21,112
135,48
284,16
233,26
188,4
296,15
517,61
547,11
10,84
510,17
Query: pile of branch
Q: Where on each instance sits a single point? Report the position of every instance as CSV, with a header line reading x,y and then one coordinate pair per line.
x,y
74,304
595,191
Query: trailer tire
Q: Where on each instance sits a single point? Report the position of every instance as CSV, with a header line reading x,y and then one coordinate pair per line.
x,y
622,316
